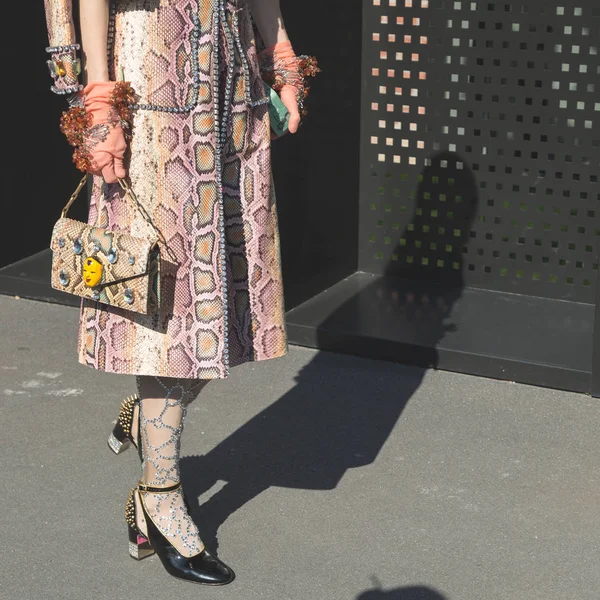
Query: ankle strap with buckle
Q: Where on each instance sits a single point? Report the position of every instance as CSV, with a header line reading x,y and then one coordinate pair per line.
x,y
142,487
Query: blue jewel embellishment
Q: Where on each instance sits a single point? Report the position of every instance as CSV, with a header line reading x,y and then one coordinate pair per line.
x,y
128,296
64,278
112,256
77,247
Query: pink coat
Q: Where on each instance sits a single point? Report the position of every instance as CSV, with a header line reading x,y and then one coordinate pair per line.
x,y
200,164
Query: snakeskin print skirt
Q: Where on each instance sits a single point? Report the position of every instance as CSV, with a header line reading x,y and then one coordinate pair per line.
x,y
200,165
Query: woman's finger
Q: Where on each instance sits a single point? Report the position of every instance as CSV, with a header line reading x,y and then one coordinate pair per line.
x,y
290,101
120,170
294,122
108,172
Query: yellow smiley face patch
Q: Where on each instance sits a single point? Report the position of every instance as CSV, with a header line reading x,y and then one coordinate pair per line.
x,y
92,271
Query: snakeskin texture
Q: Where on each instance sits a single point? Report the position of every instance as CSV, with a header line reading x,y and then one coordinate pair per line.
x,y
59,21
200,164
129,271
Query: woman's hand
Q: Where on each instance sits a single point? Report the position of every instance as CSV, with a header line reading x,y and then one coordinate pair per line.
x,y
106,140
99,125
279,68
288,95
107,156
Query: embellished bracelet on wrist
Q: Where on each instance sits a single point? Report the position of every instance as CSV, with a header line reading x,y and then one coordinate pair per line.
x,y
81,132
294,71
65,68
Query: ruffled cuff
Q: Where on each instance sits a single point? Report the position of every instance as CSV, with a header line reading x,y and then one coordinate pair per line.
x,y
94,113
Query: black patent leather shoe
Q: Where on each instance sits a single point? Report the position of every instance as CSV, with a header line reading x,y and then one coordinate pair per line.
x,y
120,439
203,568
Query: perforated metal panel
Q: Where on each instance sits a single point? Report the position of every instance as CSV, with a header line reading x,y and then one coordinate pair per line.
x,y
480,144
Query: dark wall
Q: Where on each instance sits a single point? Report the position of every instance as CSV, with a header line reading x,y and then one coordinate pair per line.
x,y
37,170
487,171
316,170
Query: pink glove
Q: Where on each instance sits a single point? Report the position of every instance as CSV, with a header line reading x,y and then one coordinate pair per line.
x,y
284,59
289,98
106,141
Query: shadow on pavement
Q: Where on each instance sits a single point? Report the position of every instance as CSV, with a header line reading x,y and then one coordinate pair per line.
x,y
416,592
338,416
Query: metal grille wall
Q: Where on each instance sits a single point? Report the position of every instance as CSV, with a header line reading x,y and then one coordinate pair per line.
x,y
480,144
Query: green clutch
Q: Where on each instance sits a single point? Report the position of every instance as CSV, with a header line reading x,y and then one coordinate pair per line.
x,y
278,113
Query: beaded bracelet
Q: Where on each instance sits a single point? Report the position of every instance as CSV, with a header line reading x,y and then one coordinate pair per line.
x,y
293,71
65,68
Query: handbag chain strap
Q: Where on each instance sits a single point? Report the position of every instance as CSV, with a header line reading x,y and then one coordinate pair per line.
x,y
128,192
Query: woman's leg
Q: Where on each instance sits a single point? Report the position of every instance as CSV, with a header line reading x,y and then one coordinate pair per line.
x,y
163,405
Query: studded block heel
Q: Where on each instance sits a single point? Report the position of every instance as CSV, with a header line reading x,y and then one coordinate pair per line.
x,y
120,439
139,546
203,568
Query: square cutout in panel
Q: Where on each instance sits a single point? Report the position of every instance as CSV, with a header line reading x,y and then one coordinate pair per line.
x,y
494,127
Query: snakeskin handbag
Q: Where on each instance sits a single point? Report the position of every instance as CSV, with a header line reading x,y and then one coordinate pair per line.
x,y
106,266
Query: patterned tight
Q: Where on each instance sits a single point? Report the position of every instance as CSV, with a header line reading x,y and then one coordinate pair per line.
x,y
163,406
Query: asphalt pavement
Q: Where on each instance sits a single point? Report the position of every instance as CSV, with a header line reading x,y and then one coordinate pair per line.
x,y
316,476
